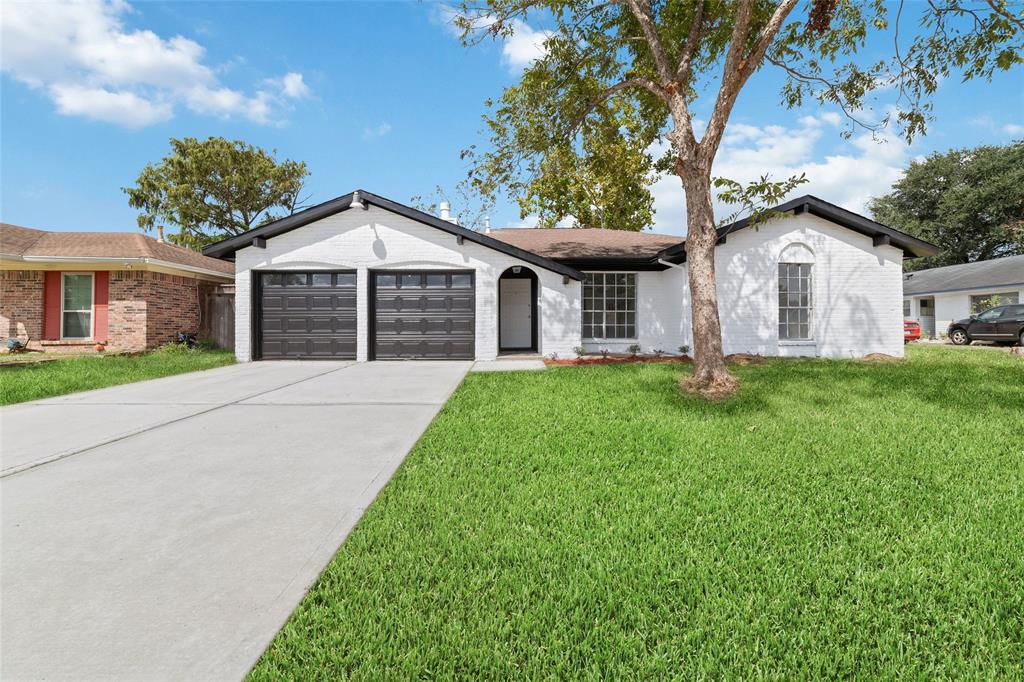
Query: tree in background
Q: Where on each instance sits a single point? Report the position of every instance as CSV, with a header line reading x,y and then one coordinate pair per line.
x,y
968,202
214,189
611,101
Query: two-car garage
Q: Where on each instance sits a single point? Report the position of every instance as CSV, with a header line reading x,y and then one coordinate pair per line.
x,y
413,314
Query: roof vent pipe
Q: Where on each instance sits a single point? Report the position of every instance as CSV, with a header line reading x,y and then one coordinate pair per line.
x,y
356,201
487,224
446,211
160,233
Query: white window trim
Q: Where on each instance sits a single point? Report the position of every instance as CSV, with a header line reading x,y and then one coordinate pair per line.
x,y
92,308
812,319
636,308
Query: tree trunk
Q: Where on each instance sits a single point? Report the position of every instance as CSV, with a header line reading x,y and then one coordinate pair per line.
x,y
711,378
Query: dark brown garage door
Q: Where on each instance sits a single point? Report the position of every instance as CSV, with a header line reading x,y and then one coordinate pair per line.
x,y
307,315
427,315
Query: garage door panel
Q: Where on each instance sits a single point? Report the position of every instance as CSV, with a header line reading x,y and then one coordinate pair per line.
x,y
428,315
308,315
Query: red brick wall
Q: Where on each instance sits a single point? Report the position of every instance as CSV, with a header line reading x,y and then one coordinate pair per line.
x,y
126,310
172,306
21,304
145,309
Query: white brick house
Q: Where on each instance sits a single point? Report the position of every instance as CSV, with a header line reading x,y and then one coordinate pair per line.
x,y
363,277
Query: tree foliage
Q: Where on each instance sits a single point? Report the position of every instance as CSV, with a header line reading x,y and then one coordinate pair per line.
x,y
215,188
610,103
968,202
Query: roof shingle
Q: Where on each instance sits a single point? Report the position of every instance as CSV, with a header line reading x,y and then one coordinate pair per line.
x,y
26,241
585,243
979,275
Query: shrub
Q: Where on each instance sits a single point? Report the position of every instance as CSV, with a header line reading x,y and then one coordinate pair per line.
x,y
684,349
552,356
604,353
658,352
634,349
580,351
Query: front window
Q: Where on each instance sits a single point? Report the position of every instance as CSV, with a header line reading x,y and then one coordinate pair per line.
x,y
906,308
76,306
609,305
985,301
795,302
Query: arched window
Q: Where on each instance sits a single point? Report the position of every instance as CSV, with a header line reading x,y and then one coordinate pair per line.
x,y
796,293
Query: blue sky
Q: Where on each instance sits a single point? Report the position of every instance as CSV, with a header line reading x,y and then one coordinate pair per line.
x,y
378,95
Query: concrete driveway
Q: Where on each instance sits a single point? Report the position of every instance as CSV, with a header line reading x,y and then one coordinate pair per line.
x,y
166,529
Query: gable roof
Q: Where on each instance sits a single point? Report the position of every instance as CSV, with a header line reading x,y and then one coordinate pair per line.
x,y
587,243
228,247
912,246
30,244
985,274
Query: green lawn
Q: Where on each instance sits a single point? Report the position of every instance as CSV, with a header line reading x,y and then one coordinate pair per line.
x,y
837,519
21,381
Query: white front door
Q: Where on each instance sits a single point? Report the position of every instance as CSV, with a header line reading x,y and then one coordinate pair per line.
x,y
516,313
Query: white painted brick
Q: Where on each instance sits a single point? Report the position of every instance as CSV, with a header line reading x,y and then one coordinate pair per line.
x,y
379,239
857,286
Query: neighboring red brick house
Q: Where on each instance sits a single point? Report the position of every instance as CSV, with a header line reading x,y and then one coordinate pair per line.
x,y
72,290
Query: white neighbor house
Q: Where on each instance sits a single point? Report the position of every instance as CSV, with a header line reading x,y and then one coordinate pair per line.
x,y
939,296
364,277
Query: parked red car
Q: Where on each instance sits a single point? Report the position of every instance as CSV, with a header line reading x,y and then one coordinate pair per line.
x,y
911,331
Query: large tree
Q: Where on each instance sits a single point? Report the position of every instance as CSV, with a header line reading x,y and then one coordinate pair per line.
x,y
215,188
620,79
969,202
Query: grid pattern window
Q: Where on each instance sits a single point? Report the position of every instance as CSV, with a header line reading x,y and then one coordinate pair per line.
x,y
609,305
983,302
795,302
76,306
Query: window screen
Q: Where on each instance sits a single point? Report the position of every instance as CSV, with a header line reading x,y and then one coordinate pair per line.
x,y
795,302
76,307
609,305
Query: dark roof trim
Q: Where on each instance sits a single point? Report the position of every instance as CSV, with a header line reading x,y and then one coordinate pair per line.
x,y
912,246
612,264
227,247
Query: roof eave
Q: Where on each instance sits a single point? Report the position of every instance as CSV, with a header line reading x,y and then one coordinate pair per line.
x,y
228,246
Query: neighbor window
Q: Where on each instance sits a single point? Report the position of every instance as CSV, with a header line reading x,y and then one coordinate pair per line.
x,y
76,306
906,308
983,302
609,305
795,302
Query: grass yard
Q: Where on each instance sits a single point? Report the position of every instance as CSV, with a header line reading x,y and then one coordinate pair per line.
x,y
21,381
837,519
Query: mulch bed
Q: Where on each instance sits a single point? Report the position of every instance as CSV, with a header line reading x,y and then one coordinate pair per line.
x,y
618,360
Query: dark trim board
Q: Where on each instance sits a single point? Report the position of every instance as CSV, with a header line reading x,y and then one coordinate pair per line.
x,y
534,295
227,247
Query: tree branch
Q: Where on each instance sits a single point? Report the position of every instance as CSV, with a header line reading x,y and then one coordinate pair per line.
x,y
635,82
738,69
692,40
642,11
1000,9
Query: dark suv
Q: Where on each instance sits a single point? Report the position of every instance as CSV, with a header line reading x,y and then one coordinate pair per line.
x,y
1003,324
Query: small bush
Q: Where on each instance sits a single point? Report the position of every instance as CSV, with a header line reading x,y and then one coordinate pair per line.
x,y
658,352
634,349
604,353
580,351
684,349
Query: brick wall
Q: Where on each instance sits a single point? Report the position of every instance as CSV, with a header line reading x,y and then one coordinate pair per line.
x,y
172,306
127,310
21,304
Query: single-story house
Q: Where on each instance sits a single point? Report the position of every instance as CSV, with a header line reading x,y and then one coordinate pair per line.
x,y
366,278
939,296
67,291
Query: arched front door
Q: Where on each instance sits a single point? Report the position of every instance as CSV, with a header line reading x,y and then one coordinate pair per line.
x,y
517,310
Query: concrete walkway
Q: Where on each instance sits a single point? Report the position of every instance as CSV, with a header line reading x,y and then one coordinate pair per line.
x,y
165,530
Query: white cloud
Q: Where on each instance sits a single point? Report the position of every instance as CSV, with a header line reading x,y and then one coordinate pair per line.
x,y
518,50
293,85
376,131
524,46
865,169
989,123
1013,129
123,108
91,65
